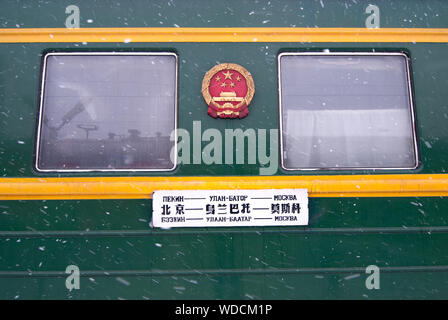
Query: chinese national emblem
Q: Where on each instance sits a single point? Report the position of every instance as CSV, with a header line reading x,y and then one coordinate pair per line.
x,y
228,89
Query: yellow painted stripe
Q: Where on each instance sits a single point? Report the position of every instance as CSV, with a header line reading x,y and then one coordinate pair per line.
x,y
397,185
27,35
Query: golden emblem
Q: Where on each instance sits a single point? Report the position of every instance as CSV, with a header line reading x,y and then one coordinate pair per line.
x,y
228,88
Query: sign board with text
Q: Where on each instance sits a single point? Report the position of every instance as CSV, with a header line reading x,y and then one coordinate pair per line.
x,y
230,208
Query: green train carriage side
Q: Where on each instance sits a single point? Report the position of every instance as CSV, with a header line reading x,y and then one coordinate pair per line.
x,y
354,115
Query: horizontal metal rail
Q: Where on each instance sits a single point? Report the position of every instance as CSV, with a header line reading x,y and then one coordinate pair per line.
x,y
384,185
127,35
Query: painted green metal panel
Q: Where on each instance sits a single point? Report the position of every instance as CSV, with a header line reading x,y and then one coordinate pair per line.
x,y
120,256
20,69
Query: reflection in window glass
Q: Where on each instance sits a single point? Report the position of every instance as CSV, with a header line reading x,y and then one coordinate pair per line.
x,y
346,111
107,112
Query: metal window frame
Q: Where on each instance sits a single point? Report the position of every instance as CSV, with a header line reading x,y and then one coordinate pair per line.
x,y
105,53
324,53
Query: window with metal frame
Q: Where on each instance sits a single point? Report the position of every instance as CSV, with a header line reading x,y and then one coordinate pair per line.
x,y
346,110
107,111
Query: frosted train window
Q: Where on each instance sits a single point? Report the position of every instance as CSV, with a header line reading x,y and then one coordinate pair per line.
x,y
346,111
107,112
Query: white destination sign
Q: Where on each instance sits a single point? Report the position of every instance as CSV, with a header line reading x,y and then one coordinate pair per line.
x,y
228,208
